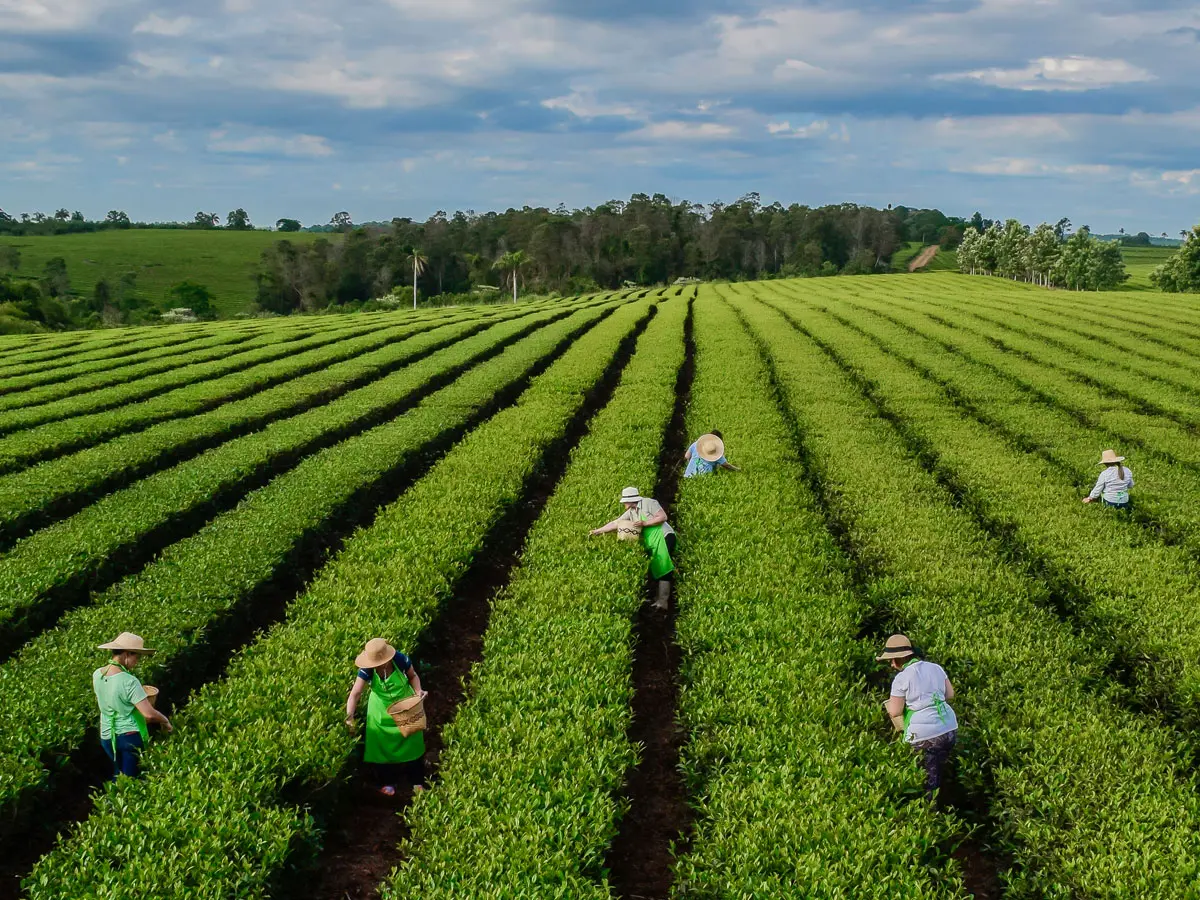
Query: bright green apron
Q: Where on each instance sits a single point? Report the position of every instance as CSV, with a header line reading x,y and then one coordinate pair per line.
x,y
660,557
385,743
138,719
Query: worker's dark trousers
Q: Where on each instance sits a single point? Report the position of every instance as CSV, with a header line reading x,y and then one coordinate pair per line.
x,y
934,753
129,748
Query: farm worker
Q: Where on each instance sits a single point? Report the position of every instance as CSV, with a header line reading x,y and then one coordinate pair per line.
x,y
658,537
706,454
1114,482
124,706
917,706
391,677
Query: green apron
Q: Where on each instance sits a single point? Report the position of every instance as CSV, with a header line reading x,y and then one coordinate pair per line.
x,y
385,743
660,557
138,719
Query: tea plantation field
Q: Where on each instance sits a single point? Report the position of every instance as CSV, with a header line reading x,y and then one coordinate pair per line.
x,y
258,498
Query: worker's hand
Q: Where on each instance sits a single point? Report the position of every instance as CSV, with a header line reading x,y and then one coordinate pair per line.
x,y
166,725
594,532
350,725
1087,499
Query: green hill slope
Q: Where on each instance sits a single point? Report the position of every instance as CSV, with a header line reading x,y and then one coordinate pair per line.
x,y
223,261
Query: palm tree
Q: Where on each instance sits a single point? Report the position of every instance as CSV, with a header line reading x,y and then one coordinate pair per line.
x,y
419,261
512,263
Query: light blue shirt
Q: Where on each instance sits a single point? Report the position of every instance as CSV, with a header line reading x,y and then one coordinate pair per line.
x,y
698,466
1112,486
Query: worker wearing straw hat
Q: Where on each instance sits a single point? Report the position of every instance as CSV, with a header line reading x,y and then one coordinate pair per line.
x,y
1114,482
707,454
658,537
125,707
391,678
918,706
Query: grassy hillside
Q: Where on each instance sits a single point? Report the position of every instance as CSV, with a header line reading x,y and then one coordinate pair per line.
x,y
223,261
1141,261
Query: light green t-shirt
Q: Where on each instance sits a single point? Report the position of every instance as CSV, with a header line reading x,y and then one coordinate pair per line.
x,y
117,695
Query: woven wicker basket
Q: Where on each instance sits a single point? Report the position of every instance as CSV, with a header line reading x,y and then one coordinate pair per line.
x,y
151,693
629,531
409,714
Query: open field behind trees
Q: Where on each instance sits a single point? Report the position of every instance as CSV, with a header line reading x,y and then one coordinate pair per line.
x,y
259,498
223,261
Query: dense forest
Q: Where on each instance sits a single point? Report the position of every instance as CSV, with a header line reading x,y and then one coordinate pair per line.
x,y
645,240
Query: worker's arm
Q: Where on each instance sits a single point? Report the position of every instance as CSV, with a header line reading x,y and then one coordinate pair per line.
x,y
415,680
730,466
657,519
1097,490
352,700
605,529
150,714
687,454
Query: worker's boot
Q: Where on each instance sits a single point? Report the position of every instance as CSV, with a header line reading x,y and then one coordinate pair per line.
x,y
664,594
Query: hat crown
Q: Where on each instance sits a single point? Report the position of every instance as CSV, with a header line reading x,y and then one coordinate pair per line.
x,y
630,495
710,447
1110,456
126,641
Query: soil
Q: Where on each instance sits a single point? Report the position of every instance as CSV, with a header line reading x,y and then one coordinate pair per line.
x,y
640,860
924,258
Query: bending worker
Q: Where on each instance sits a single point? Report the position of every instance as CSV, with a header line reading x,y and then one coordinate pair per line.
x,y
124,706
1114,482
658,537
391,677
917,706
706,454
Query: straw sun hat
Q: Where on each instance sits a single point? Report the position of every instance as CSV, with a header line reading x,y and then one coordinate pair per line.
x,y
1109,457
127,643
376,653
630,495
897,647
710,447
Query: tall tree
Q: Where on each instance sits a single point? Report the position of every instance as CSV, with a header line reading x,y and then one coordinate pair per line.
x,y
419,262
238,220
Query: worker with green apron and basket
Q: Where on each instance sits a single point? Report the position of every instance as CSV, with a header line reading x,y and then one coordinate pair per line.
x,y
125,705
395,716
645,519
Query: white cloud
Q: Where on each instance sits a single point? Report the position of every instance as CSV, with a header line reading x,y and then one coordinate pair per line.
x,y
355,84
156,24
584,105
1070,73
811,130
299,145
675,130
1029,167
49,15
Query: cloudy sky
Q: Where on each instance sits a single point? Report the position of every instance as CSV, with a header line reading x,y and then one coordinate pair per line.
x,y
1027,108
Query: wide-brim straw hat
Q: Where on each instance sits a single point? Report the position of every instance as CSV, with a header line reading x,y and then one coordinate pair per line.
x,y
127,643
897,647
710,447
1108,457
378,652
631,495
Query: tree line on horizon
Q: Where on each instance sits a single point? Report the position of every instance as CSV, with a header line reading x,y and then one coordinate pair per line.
x,y
643,241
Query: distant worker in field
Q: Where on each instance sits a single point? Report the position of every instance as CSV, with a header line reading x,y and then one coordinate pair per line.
x,y
1114,482
706,454
125,706
918,707
648,518
395,716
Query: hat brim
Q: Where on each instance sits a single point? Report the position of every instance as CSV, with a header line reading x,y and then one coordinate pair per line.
x,y
631,499
893,654
1111,462
141,651
366,660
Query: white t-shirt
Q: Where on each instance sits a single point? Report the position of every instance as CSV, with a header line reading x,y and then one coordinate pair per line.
x,y
923,686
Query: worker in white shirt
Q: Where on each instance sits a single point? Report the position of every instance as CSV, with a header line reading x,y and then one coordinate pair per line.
x,y
918,707
1114,482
